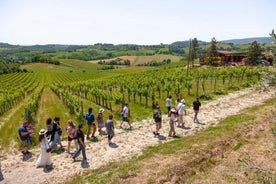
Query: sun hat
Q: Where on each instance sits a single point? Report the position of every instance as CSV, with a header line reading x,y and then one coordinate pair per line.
x,y
182,101
42,132
173,110
101,110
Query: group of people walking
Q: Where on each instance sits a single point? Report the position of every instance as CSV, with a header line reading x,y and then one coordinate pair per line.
x,y
50,137
175,114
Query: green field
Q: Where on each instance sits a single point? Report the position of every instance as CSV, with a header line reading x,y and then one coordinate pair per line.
x,y
69,89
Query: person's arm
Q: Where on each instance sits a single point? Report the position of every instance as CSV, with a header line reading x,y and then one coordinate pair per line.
x,y
81,142
23,134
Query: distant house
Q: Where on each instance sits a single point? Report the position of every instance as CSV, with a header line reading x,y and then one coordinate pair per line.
x,y
232,58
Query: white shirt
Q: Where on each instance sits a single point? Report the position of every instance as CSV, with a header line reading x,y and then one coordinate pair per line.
x,y
168,102
181,108
125,111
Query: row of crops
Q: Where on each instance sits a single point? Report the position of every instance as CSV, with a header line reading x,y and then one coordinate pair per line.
x,y
14,88
150,86
143,88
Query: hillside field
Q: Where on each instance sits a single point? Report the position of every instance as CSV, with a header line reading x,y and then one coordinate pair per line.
x,y
232,98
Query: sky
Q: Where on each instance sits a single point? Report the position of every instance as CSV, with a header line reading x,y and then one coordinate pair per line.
x,y
143,22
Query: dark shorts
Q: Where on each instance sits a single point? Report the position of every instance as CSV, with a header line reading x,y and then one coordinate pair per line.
x,y
125,119
26,142
91,124
169,108
70,139
159,124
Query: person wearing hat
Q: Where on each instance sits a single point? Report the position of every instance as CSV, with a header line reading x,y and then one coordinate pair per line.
x,y
44,159
169,103
100,120
172,115
181,109
157,116
24,136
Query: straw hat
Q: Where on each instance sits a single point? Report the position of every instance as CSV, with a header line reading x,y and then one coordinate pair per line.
x,y
42,132
101,110
182,101
173,110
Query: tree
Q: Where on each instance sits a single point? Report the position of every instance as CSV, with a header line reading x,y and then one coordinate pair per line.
x,y
194,49
273,35
212,53
254,53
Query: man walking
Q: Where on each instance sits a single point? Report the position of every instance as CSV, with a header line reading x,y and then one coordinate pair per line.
x,y
196,105
80,138
181,109
90,122
24,136
125,116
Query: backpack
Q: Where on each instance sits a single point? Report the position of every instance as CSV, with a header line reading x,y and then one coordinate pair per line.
x,y
59,130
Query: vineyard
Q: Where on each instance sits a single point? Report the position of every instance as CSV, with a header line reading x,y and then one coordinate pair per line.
x,y
79,89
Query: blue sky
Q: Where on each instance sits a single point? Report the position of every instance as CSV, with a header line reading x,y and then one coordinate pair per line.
x,y
29,22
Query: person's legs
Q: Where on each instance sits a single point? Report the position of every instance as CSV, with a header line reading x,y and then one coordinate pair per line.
x,y
109,138
58,139
94,129
158,126
169,108
26,144
77,153
127,120
171,129
69,144
88,131
83,152
180,120
76,143
195,117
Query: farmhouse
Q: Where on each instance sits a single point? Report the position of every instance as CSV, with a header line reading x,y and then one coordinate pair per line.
x,y
232,58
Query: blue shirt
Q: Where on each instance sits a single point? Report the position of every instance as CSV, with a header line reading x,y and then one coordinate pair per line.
x,y
89,118
23,129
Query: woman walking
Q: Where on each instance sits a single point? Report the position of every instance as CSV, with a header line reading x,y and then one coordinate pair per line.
x,y
44,159
72,135
100,120
173,119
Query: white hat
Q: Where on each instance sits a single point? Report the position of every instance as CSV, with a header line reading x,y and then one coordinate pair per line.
x,y
173,110
42,132
101,110
182,101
